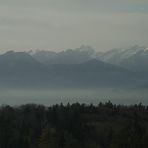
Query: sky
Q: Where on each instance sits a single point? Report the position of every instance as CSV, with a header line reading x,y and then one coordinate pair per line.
x,y
62,24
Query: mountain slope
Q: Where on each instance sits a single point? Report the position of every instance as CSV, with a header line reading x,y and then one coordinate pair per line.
x,y
91,73
134,58
69,56
21,69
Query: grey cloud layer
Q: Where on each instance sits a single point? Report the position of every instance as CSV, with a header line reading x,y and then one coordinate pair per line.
x,y
53,24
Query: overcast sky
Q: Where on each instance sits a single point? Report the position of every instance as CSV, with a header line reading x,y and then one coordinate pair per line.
x,y
62,24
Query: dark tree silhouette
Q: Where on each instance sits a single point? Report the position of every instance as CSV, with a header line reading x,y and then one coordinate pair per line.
x,y
74,126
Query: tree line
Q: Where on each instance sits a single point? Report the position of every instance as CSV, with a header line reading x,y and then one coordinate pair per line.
x,y
105,125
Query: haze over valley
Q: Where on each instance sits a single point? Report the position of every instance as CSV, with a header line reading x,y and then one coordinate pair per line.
x,y
77,74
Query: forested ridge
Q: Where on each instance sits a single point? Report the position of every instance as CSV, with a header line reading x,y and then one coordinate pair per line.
x,y
74,126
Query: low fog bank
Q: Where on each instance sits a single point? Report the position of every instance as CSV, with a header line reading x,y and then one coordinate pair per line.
x,y
48,96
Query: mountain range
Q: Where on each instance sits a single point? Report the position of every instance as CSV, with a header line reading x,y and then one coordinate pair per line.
x,y
81,67
134,58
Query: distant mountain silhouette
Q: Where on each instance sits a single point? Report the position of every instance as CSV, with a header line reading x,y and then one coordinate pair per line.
x,y
22,69
69,56
134,58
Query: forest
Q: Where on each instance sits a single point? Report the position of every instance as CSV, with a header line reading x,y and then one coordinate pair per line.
x,y
105,125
